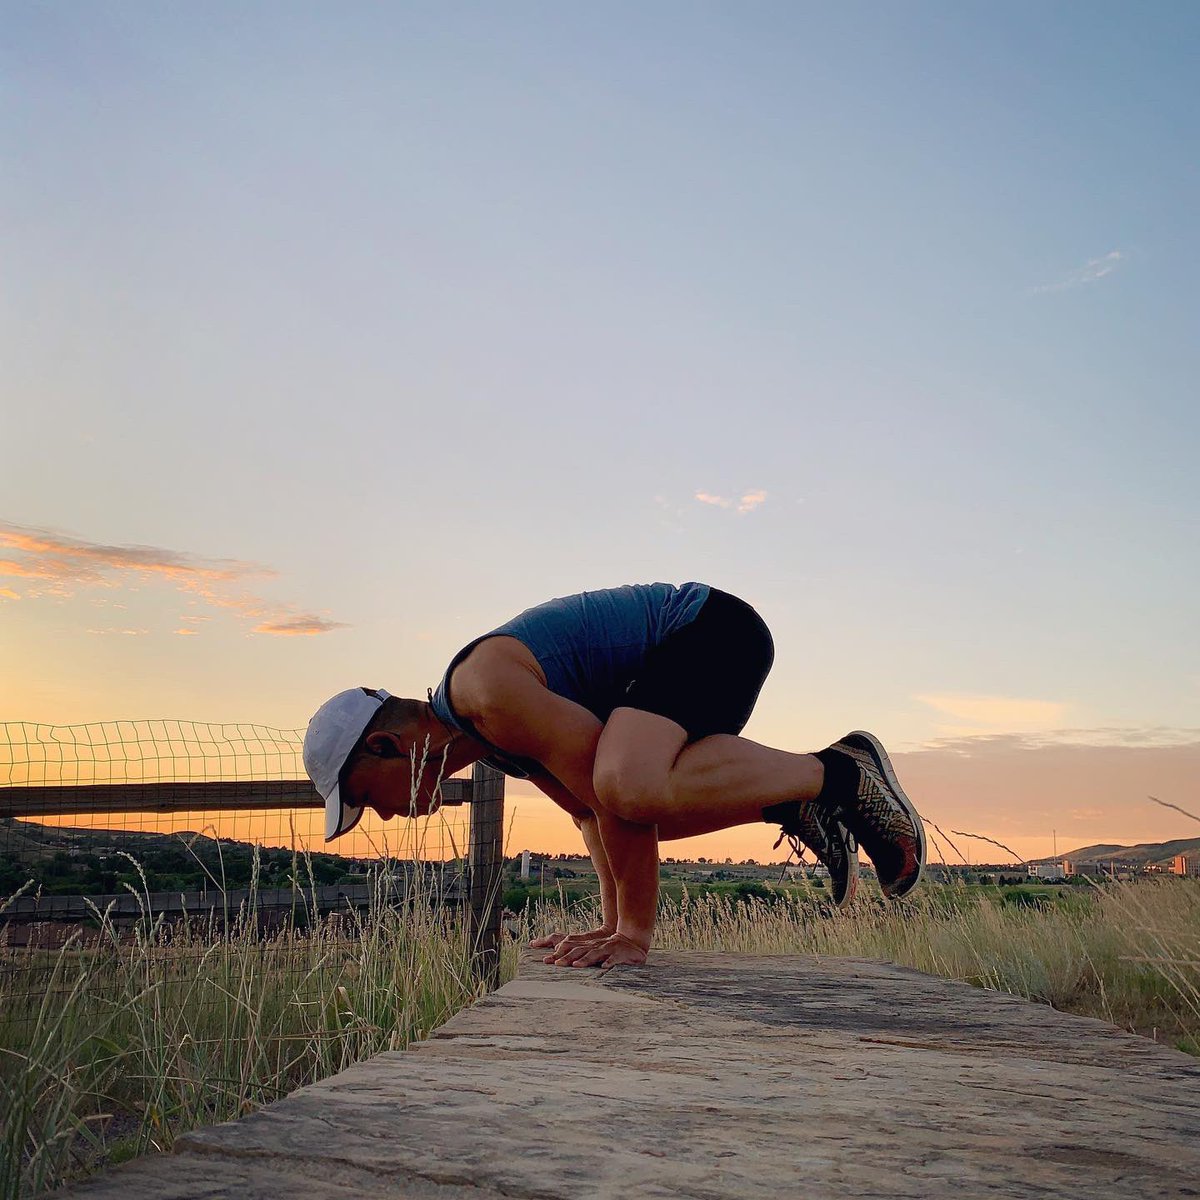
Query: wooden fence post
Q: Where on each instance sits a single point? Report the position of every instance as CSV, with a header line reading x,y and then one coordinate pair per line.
x,y
486,864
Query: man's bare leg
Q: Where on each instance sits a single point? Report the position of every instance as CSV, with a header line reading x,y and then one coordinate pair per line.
x,y
646,772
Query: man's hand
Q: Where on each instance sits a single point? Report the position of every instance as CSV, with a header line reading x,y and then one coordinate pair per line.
x,y
557,941
614,951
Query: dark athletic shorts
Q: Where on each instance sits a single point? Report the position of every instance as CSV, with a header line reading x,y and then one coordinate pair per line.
x,y
707,675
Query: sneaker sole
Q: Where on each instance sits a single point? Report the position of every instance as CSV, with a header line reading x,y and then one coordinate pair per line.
x,y
851,882
847,841
851,874
885,768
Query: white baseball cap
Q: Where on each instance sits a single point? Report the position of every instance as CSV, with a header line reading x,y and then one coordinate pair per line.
x,y
332,733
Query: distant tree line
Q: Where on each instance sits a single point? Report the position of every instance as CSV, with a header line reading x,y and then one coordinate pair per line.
x,y
168,866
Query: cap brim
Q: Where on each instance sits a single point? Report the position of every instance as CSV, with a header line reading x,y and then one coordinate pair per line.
x,y
339,818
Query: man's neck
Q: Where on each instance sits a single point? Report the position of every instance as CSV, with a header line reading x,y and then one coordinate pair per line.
x,y
462,751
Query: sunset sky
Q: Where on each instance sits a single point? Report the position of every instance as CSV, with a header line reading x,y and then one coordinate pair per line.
x,y
333,336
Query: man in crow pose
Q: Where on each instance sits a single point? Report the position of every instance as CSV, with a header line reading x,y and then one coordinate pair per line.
x,y
625,707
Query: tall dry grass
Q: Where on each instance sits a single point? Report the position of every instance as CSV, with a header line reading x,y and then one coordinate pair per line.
x,y
115,1048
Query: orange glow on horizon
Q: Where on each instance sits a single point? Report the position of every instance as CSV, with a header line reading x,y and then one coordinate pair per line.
x,y
1032,800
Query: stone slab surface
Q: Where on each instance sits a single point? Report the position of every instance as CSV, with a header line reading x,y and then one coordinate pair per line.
x,y
720,1076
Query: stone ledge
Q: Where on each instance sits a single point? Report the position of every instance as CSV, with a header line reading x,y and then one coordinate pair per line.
x,y
719,1076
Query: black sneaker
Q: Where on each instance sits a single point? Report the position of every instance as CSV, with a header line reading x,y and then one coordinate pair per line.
x,y
813,824
881,816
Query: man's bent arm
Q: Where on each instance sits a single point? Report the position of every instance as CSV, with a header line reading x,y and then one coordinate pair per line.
x,y
624,854
518,714
633,854
610,905
585,821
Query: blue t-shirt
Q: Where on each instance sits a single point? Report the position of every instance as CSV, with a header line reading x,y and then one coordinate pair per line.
x,y
589,646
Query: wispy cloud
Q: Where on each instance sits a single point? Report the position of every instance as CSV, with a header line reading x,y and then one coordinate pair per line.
x,y
1150,737
1092,271
298,626
52,564
994,714
746,503
57,556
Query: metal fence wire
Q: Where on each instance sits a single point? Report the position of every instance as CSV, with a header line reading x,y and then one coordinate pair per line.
x,y
186,833
178,944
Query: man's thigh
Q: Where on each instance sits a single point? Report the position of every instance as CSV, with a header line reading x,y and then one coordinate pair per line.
x,y
636,753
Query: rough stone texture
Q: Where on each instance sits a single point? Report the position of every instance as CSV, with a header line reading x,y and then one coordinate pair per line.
x,y
720,1076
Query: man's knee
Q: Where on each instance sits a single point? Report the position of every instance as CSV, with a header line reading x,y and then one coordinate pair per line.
x,y
631,795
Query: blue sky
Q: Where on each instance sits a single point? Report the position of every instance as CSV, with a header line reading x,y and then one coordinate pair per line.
x,y
434,311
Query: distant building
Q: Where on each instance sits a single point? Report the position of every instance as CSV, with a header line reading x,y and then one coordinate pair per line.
x,y
1048,871
1186,864
1093,869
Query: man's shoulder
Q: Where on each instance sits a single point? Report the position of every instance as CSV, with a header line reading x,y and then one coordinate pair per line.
x,y
487,674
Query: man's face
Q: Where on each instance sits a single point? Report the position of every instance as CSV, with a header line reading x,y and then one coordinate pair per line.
x,y
385,785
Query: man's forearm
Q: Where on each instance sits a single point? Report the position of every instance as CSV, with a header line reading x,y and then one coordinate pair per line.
x,y
632,852
590,829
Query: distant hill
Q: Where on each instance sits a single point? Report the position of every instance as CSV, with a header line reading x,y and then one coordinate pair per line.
x,y
1143,852
69,860
28,841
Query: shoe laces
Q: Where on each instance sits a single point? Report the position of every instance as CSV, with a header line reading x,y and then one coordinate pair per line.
x,y
793,840
817,815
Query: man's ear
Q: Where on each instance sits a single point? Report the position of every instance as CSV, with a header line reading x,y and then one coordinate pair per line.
x,y
385,744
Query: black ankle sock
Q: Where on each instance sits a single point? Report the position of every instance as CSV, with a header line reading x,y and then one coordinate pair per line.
x,y
841,775
841,783
774,814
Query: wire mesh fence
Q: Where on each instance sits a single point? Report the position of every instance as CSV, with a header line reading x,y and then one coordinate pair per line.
x,y
190,814
178,943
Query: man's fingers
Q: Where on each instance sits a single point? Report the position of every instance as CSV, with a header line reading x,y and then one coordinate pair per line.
x,y
574,941
611,952
571,954
598,956
568,954
560,941
592,957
